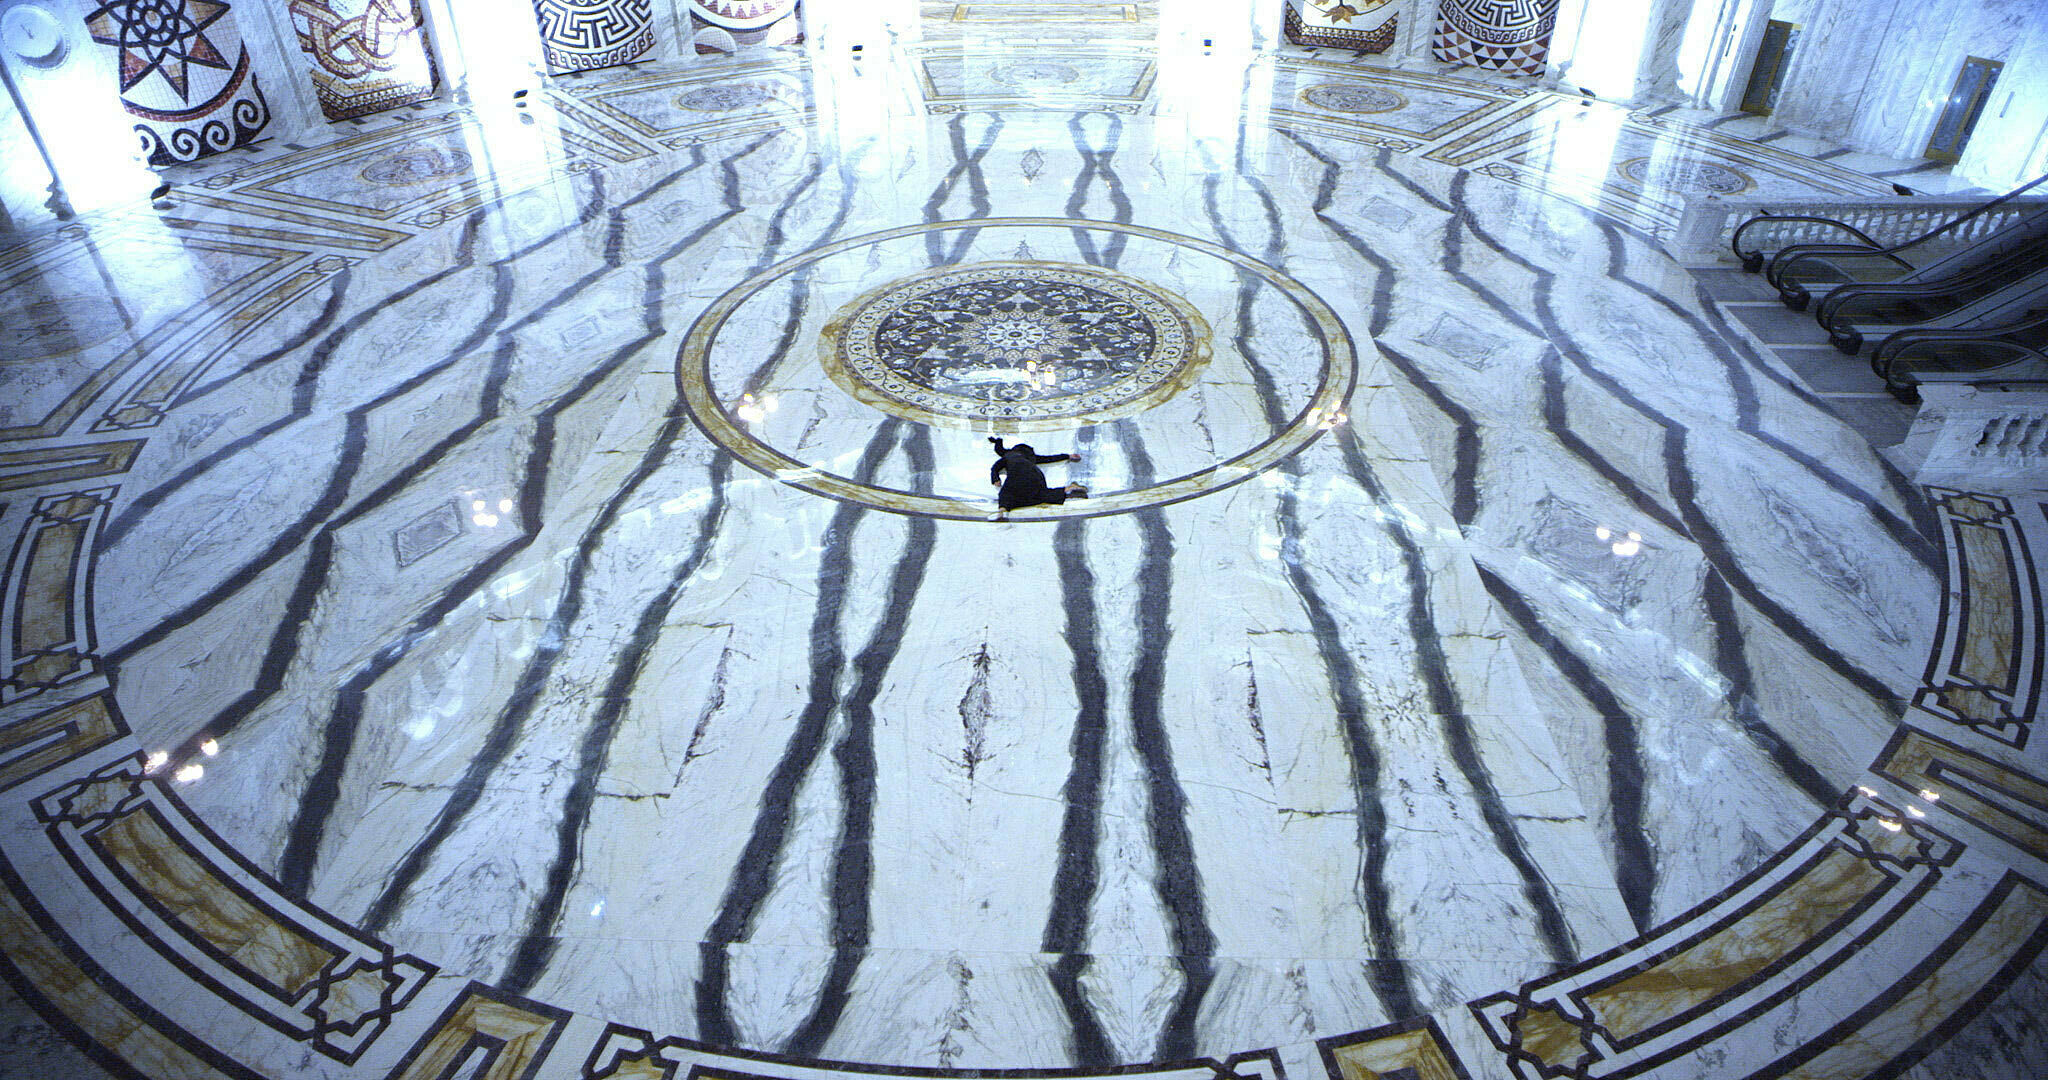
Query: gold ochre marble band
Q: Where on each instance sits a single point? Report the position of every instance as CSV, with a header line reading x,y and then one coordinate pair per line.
x,y
1338,374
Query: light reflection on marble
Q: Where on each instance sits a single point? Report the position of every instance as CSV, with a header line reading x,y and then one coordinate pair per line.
x,y
510,664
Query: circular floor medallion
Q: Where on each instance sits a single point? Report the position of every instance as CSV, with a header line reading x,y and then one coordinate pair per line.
x,y
726,97
937,347
1347,98
417,163
1707,177
1015,346
1036,73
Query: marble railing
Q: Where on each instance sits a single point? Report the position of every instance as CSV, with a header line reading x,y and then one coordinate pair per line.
x,y
1709,223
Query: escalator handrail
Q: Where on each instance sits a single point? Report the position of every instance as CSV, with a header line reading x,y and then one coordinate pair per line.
x,y
1892,367
1777,261
1831,305
1885,357
1774,272
1735,242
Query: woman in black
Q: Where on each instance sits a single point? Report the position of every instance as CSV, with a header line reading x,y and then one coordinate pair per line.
x,y
1023,484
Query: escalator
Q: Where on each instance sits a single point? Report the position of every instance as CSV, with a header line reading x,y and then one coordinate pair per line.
x,y
1799,271
2011,352
2016,258
1941,309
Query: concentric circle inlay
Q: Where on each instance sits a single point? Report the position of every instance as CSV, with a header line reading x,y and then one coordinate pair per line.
x,y
726,97
1347,98
1707,177
969,345
1015,346
1036,73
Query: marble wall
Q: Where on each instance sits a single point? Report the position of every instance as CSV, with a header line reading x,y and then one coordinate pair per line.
x,y
1872,75
1900,59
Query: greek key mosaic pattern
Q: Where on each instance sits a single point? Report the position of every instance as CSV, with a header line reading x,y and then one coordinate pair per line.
x,y
577,35
366,55
1011,346
727,26
183,73
1504,35
1367,26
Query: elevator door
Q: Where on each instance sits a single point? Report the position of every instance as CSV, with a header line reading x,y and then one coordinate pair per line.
x,y
1767,75
1965,104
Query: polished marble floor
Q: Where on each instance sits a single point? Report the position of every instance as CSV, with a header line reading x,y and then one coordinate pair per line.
x,y
523,579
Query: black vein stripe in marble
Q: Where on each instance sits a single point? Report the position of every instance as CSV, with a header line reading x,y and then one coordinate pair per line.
x,y
1389,977
1096,164
537,945
1635,856
339,733
526,691
1457,726
1076,877
1918,532
1917,536
1678,479
1465,442
1179,881
283,647
1464,502
1466,445
1430,659
966,165
304,388
1731,571
323,787
1739,360
1453,260
853,857
1557,420
1326,193
1631,858
1385,160
349,459
337,291
1731,660
753,875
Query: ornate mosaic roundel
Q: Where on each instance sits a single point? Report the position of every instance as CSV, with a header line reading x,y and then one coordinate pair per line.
x,y
417,163
1695,176
726,97
1341,97
1062,342
1015,346
1036,73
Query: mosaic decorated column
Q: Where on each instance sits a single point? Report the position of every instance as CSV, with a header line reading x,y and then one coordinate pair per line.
x,y
725,26
365,55
1363,25
578,35
184,74
1505,35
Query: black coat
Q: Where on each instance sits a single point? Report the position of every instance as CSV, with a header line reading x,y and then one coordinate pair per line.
x,y
1023,482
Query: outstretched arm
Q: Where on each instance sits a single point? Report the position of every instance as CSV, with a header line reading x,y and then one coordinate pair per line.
x,y
1047,459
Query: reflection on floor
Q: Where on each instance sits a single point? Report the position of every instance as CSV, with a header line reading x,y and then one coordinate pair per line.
x,y
501,599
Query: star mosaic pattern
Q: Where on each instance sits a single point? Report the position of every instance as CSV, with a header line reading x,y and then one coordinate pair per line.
x,y
162,36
